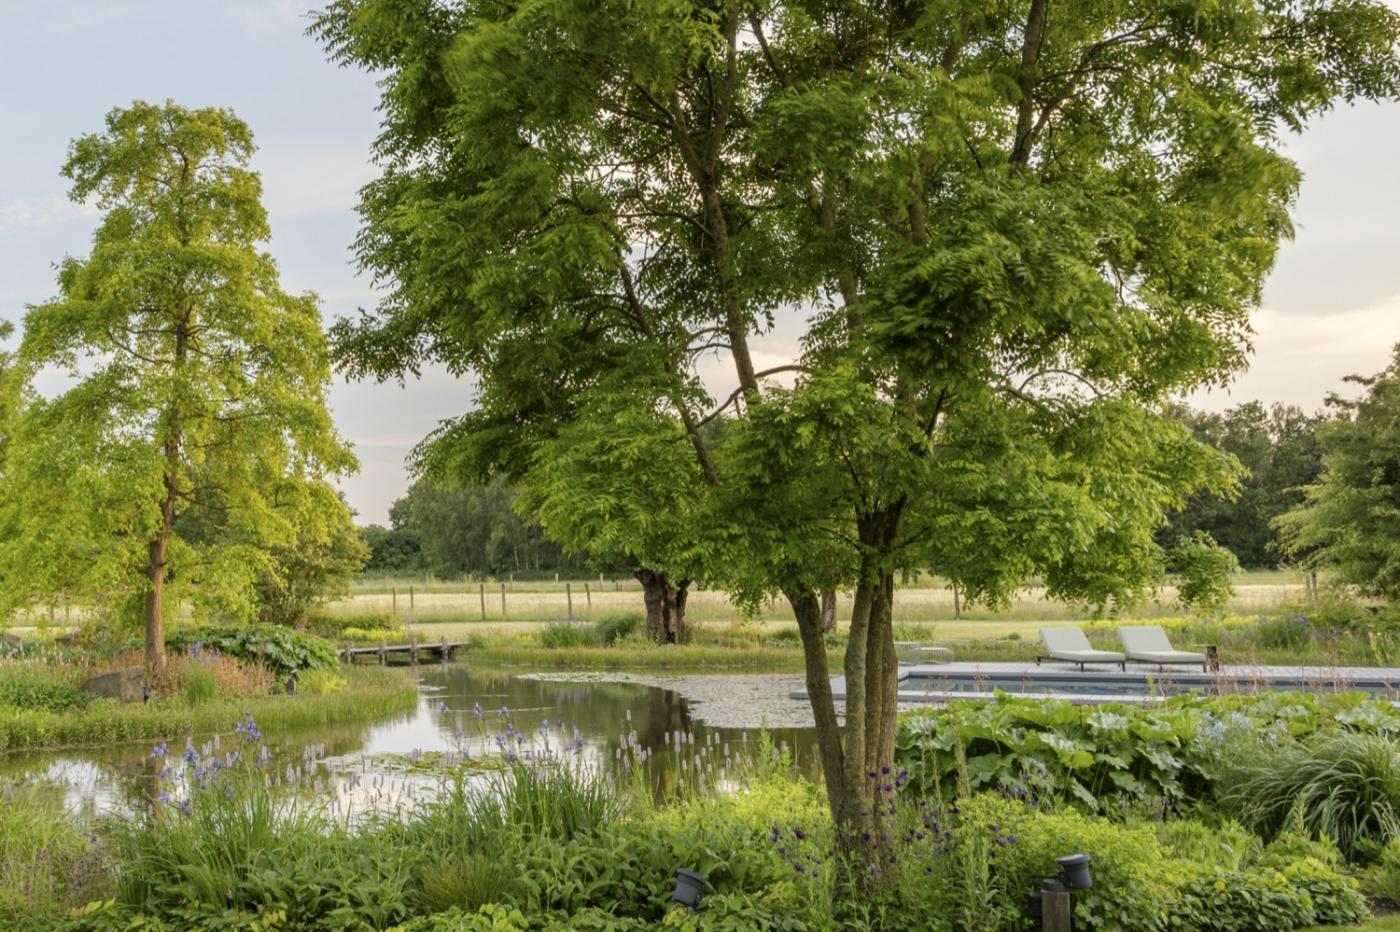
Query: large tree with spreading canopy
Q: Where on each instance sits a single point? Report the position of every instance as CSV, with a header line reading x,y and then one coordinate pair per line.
x,y
192,445
1008,233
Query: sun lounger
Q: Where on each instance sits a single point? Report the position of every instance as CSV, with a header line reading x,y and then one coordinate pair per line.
x,y
1149,644
1070,645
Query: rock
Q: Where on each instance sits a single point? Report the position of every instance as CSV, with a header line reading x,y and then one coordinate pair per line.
x,y
124,685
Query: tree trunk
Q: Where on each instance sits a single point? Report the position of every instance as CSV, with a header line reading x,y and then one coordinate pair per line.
x,y
858,764
665,605
828,610
155,575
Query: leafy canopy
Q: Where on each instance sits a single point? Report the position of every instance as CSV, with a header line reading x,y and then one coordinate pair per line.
x,y
1011,233
1350,517
190,374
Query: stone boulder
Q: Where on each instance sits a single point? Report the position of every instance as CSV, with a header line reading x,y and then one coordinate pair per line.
x,y
123,685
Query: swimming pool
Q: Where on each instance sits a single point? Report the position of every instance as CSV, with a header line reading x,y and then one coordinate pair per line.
x,y
937,683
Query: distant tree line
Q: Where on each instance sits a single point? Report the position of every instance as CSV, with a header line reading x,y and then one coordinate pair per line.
x,y
1279,449
458,531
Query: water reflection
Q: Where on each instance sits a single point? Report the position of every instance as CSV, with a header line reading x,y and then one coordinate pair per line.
x,y
382,755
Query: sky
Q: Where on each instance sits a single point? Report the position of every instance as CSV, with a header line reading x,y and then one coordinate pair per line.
x,y
1330,308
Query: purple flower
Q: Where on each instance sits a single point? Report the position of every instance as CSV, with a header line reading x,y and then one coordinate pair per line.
x,y
442,706
799,834
477,711
160,750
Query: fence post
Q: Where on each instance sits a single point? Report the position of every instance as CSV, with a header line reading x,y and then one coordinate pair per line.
x,y
569,597
483,601
410,600
588,598
503,600
394,602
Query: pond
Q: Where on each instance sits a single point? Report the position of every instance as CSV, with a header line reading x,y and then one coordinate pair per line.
x,y
462,712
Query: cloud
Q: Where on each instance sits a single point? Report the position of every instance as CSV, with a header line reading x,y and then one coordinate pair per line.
x,y
28,213
1298,359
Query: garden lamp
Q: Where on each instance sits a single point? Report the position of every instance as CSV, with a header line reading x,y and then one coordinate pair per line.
x,y
688,886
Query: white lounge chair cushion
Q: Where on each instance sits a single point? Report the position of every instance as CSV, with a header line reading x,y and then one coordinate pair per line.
x,y
1071,644
1150,643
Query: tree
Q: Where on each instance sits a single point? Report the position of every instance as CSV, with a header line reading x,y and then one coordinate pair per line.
x,y
1012,233
1350,517
1204,569
473,530
313,566
392,550
1278,448
194,440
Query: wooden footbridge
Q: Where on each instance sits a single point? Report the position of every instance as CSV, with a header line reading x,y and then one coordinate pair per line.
x,y
440,651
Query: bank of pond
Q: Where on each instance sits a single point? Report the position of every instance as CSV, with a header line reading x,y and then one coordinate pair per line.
x,y
535,804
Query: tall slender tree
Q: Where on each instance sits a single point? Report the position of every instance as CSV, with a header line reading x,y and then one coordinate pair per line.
x,y
1012,232
194,435
1349,519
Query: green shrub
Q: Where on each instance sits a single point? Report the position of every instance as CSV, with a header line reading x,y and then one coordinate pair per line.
x,y
200,687
321,683
1094,757
280,649
609,629
1228,845
1287,632
24,688
368,635
1202,571
489,918
464,879
1345,786
563,634
333,627
1382,879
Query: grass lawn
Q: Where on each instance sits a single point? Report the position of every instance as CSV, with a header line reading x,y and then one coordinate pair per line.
x,y
1382,924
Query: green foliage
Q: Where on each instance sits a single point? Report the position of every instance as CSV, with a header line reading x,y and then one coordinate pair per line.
x,y
241,847
320,683
566,634
280,649
1350,517
1382,879
370,695
1279,450
1346,786
391,550
612,628
1096,756
193,441
453,531
313,567
1203,569
998,279
28,688
47,862
489,918
464,880
200,687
